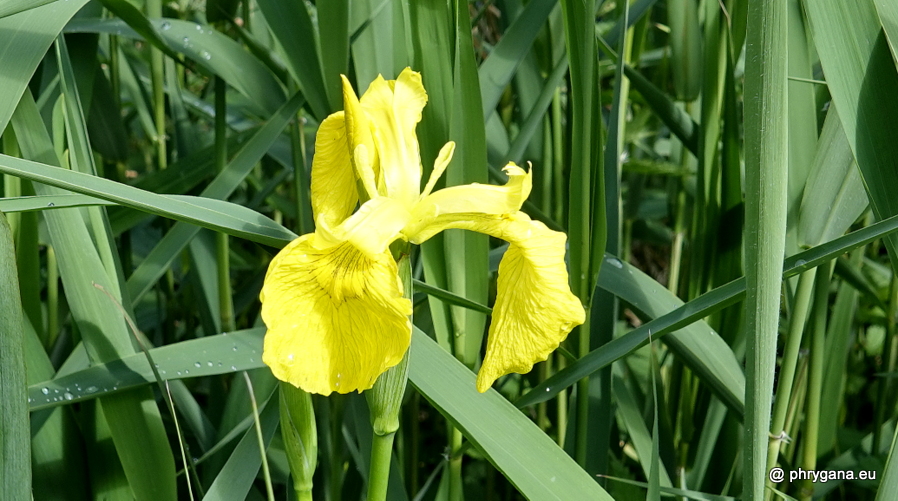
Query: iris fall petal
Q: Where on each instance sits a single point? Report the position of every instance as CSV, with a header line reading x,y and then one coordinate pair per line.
x,y
336,317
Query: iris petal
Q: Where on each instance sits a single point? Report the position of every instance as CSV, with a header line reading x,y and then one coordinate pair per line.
x,y
394,108
334,193
336,316
437,211
535,309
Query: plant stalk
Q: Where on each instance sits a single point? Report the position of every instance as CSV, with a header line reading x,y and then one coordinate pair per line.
x,y
784,389
222,247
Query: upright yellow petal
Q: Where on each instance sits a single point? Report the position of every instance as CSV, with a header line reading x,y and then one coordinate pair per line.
x,y
336,317
358,130
394,108
334,193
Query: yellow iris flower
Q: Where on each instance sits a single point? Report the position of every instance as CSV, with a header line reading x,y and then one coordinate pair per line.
x,y
332,299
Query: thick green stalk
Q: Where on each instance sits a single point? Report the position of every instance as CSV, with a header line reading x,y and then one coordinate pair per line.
x,y
222,249
379,474
815,379
790,361
766,157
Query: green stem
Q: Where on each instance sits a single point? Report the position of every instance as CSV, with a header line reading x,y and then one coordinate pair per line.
x,y
300,182
888,359
790,361
52,297
815,379
456,482
562,411
157,79
222,248
379,474
582,445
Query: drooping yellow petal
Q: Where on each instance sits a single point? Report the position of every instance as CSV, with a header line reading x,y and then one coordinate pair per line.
x,y
434,212
535,308
394,108
334,193
336,317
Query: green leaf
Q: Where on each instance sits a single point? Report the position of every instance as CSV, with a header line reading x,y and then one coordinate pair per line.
x,y
134,422
292,26
28,36
861,78
205,212
530,460
15,428
235,480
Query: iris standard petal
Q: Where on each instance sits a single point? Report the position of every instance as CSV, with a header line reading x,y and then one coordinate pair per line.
x,y
358,130
336,317
334,192
394,108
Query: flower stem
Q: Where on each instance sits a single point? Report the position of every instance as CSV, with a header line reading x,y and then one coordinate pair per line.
x,y
379,474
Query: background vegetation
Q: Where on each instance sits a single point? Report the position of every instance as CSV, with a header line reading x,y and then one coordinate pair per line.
x,y
155,157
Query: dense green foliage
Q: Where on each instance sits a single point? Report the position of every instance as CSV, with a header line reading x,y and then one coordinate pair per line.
x,y
155,156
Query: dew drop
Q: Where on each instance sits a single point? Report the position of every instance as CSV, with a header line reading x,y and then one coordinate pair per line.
x,y
186,371
179,373
56,391
234,348
199,28
615,262
233,368
548,390
186,40
197,364
90,389
68,396
290,357
209,363
800,262
206,55
165,25
45,391
51,204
